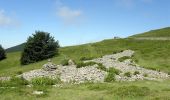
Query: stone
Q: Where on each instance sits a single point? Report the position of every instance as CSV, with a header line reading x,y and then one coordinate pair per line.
x,y
49,66
5,78
71,62
38,92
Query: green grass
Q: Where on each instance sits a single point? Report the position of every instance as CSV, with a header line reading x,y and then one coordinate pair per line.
x,y
164,32
139,90
123,58
148,53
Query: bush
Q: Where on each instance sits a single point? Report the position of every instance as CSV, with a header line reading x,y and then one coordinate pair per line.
x,y
136,73
38,47
128,74
111,75
43,81
145,75
64,62
123,58
19,72
82,64
86,58
113,70
101,67
2,53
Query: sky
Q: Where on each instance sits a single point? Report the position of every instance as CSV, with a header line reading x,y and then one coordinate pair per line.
x,y
74,22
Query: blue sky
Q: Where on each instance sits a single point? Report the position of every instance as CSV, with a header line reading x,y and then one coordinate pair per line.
x,y
80,21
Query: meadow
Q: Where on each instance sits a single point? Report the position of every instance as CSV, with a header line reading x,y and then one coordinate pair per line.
x,y
152,54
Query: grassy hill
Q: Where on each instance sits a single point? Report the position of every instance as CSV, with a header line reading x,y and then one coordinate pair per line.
x,y
148,53
164,32
152,54
16,48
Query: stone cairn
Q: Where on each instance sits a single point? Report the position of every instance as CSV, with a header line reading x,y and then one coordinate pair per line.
x,y
49,66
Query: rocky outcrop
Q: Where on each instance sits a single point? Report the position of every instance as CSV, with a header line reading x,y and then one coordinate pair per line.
x,y
49,66
72,74
80,75
130,66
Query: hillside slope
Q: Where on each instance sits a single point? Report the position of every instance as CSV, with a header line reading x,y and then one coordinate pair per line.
x,y
149,54
159,33
16,48
164,32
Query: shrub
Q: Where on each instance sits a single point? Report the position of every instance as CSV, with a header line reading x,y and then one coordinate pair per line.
x,y
128,74
86,58
64,62
101,67
43,81
110,77
111,74
123,58
19,72
136,73
38,47
145,75
2,53
113,70
82,64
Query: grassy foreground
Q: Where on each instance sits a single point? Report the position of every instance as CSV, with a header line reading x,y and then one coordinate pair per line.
x,y
153,54
139,90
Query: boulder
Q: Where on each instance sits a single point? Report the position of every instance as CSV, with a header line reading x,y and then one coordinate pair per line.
x,y
71,62
49,66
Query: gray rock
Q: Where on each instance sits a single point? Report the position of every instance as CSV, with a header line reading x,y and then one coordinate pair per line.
x,y
71,62
49,66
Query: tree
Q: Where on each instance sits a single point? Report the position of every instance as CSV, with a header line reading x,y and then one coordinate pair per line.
x,y
38,47
2,53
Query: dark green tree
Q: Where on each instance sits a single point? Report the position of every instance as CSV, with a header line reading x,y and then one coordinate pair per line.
x,y
38,47
2,53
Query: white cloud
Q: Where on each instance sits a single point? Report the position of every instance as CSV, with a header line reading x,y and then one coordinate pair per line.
x,y
6,21
67,14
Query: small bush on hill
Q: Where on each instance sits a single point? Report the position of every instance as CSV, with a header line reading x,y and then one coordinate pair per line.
x,y
38,47
86,58
113,70
111,74
128,74
2,53
82,64
123,58
43,81
136,73
145,75
101,67
64,62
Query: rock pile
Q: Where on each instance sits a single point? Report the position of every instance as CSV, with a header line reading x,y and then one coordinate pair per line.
x,y
5,78
49,66
70,73
129,66
80,75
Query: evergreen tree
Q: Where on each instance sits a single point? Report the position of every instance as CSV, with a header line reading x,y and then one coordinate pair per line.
x,y
38,47
2,53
